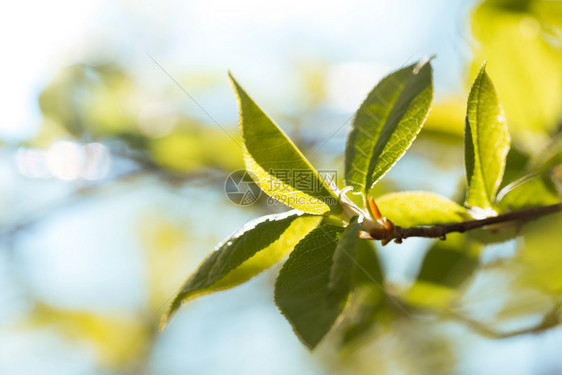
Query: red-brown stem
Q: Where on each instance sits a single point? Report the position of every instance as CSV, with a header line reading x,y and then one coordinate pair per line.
x,y
441,230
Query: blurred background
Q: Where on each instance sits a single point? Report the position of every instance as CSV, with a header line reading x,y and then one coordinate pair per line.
x,y
118,129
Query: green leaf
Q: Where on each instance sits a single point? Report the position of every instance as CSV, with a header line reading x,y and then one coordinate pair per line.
x,y
387,123
277,166
314,283
413,208
486,142
255,247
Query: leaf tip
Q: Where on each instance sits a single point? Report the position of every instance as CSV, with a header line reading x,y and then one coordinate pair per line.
x,y
423,62
233,81
170,311
163,322
483,67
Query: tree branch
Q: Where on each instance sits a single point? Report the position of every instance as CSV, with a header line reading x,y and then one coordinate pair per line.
x,y
441,230
550,320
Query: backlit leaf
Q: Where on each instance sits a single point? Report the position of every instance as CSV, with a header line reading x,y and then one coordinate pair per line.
x,y
274,162
255,247
486,142
387,123
413,208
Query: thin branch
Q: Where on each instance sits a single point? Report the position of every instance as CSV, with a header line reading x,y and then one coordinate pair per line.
x,y
549,321
441,230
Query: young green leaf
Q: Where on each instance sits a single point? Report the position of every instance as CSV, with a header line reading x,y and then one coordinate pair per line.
x,y
255,247
314,283
413,208
387,123
276,164
486,142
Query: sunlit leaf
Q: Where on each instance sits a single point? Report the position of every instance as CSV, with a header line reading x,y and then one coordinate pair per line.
x,y
486,142
314,283
412,208
255,247
387,123
276,164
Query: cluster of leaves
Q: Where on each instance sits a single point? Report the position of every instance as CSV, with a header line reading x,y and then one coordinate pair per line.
x,y
328,257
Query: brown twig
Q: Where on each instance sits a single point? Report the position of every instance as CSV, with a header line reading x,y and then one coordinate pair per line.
x,y
441,230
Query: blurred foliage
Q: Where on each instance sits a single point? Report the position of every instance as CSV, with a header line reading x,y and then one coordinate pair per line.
x,y
186,151
530,192
102,102
541,257
521,41
119,342
446,119
91,100
445,267
164,250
